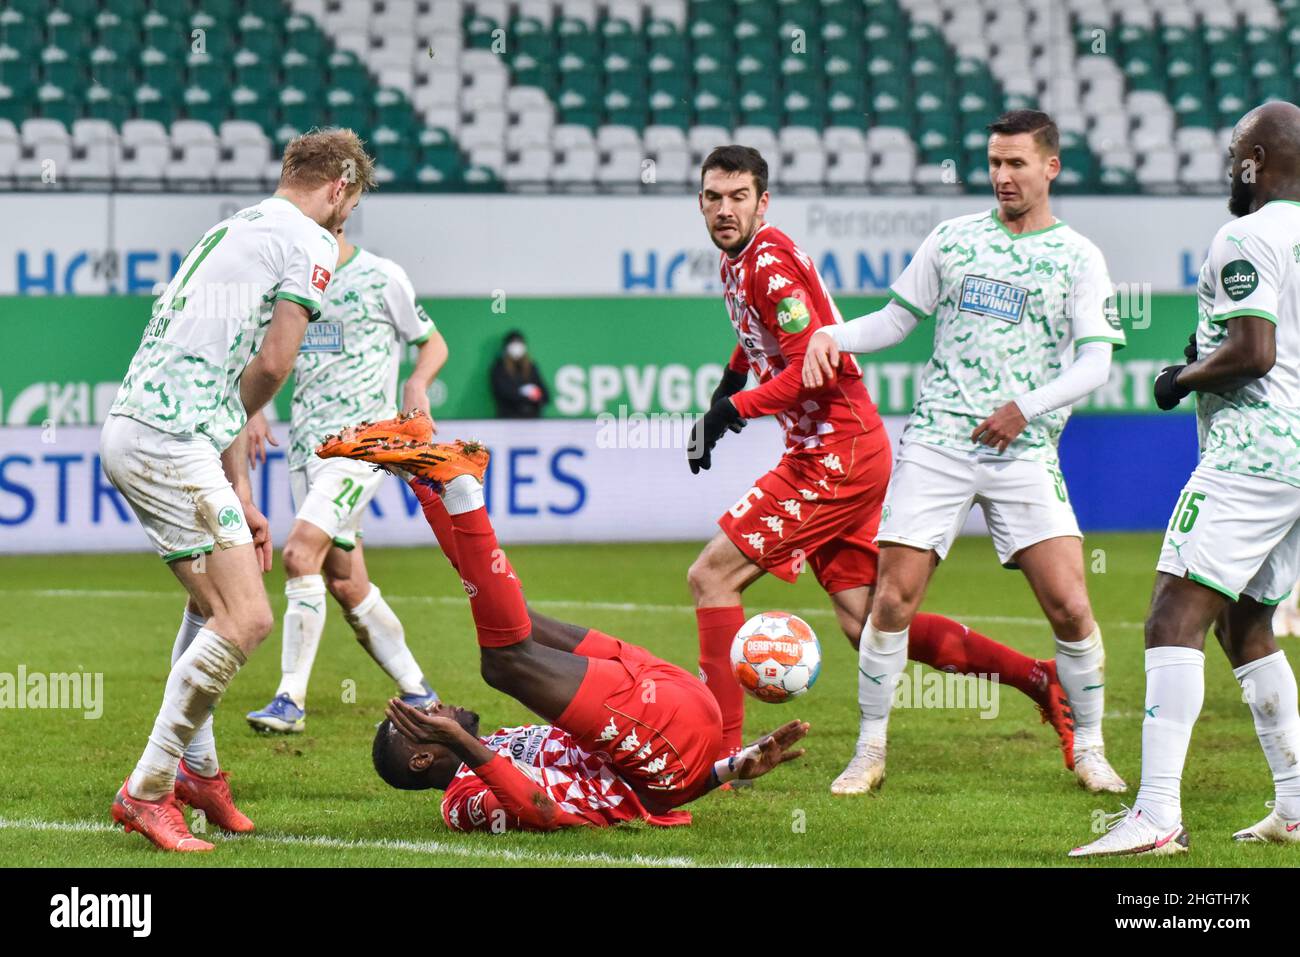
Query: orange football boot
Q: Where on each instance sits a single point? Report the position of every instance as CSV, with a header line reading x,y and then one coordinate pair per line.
x,y
160,821
1054,706
434,463
212,797
406,427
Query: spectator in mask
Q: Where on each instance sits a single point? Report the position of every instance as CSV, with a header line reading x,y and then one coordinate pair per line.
x,y
516,381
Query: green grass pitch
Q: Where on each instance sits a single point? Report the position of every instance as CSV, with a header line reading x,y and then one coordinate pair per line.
x,y
962,790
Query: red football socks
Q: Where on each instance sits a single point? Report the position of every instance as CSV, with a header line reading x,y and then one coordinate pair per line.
x,y
435,513
495,595
718,626
950,646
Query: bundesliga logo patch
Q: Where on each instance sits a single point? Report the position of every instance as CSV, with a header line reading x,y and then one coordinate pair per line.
x,y
320,277
989,297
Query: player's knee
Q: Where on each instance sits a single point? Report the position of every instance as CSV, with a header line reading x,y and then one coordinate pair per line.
x,y
247,624
299,560
894,606
700,578
499,667
1070,617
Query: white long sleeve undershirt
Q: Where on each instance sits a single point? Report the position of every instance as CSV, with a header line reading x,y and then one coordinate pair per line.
x,y
891,324
1088,372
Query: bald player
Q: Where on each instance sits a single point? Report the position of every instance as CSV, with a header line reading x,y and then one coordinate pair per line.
x,y
1232,548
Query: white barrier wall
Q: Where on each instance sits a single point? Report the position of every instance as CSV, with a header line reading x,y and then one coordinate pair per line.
x,y
570,245
550,481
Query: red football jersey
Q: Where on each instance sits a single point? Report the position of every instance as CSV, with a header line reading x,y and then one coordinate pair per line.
x,y
776,301
584,786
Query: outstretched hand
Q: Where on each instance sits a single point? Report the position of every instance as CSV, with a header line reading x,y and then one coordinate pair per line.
x,y
773,750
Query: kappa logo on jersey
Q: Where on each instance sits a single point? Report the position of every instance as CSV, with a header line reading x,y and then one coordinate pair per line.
x,y
765,259
990,297
657,765
320,277
756,541
470,588
630,743
776,524
610,732
1240,278
831,462
776,283
793,509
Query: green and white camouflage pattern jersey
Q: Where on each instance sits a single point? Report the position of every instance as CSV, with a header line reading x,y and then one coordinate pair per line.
x,y
210,320
347,369
1009,311
1252,271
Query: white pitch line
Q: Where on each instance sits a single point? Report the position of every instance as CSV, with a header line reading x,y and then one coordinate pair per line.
x,y
629,607
414,847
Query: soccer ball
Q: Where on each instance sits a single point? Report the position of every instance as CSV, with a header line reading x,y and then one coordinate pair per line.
x,y
776,656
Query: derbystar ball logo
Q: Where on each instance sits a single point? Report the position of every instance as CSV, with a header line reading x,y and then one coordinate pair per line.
x,y
764,646
320,277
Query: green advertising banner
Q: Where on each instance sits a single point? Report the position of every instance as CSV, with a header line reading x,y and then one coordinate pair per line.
x,y
64,356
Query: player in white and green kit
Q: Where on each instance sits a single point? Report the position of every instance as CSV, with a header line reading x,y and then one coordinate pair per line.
x,y
1023,327
346,373
1232,548
221,341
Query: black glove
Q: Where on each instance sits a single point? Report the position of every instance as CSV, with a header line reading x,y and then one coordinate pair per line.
x,y
1167,391
1190,352
732,382
707,431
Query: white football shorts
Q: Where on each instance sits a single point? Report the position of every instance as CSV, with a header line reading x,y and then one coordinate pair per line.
x,y
1238,534
176,487
333,494
932,491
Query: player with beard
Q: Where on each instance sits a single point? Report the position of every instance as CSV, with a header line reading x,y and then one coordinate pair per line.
x,y
628,735
1232,548
820,506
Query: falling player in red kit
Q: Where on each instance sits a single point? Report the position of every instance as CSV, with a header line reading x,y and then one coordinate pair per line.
x,y
631,737
820,506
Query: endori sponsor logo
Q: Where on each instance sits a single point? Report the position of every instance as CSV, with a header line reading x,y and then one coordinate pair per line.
x,y
1239,278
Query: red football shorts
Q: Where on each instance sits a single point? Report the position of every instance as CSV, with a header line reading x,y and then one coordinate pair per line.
x,y
820,509
659,725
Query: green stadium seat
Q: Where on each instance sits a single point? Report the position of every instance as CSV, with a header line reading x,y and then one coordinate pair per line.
x,y
345,109
152,103
260,40
199,103
255,105
575,37
719,13
665,39
622,39
299,70
62,69
103,103
393,111
165,34
531,36
346,71
624,110
710,40
481,31
302,34
296,110
528,70
21,34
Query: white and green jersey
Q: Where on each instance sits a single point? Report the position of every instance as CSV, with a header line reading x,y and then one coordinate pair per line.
x,y
1252,271
1009,311
347,369
210,320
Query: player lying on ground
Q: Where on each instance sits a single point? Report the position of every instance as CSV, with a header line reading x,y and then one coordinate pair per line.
x,y
346,371
630,737
1024,325
222,340
1232,549
820,506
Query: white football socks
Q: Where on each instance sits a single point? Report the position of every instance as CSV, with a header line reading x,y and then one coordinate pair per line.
x,y
1268,686
464,493
304,621
380,632
195,685
882,656
201,752
1081,669
1175,693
